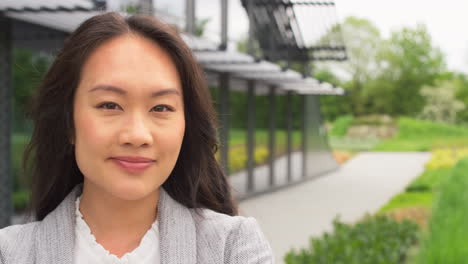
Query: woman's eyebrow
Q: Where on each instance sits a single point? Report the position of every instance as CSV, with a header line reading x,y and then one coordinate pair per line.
x,y
121,91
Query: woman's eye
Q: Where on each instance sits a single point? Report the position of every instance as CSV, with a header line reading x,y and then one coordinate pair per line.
x,y
109,106
160,108
113,106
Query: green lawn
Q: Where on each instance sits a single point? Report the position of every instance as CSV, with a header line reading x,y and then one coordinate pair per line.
x,y
446,240
442,193
417,135
420,192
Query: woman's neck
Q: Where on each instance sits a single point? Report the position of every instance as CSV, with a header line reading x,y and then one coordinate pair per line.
x,y
118,225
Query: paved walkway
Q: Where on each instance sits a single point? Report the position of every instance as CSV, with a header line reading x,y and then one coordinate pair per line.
x,y
289,217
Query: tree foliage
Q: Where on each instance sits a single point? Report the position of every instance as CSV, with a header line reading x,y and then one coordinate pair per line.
x,y
407,62
384,76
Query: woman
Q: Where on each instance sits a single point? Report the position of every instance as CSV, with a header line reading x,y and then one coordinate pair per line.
x,y
123,157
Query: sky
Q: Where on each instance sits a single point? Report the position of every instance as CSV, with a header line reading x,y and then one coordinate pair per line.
x,y
446,21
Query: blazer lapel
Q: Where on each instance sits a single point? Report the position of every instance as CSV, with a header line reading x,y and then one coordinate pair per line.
x,y
55,237
177,231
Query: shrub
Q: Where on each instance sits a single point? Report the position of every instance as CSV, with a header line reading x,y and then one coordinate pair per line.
x,y
441,102
261,155
374,120
238,157
20,200
446,157
376,239
341,125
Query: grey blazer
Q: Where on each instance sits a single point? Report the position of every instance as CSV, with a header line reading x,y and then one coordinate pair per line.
x,y
185,237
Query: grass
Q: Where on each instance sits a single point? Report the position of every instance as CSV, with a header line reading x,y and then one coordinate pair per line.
x,y
430,180
438,202
417,135
420,192
409,200
446,240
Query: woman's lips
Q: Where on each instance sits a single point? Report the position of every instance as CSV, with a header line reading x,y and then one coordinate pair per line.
x,y
133,167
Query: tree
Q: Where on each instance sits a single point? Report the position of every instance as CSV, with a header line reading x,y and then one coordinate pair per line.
x,y
440,102
406,62
332,106
363,41
461,93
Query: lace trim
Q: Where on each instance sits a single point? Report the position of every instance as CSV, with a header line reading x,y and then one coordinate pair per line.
x,y
146,243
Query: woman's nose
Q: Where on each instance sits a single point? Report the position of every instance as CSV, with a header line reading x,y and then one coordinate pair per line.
x,y
136,132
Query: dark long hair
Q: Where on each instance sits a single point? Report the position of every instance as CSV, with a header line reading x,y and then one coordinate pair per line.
x,y
197,180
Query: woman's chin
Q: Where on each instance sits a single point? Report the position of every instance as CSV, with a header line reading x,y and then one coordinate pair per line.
x,y
131,192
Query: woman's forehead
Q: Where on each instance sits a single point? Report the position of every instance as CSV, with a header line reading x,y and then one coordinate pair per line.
x,y
131,60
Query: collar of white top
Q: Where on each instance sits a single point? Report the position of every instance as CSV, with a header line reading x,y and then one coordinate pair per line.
x,y
147,242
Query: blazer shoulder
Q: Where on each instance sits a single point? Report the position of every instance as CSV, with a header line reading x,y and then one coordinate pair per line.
x,y
15,241
240,238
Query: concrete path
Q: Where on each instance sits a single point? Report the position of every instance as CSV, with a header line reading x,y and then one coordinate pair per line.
x,y
289,217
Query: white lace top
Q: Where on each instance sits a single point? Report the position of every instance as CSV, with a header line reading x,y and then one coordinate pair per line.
x,y
87,250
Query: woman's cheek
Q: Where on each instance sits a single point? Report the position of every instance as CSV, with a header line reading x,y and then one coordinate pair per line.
x,y
92,131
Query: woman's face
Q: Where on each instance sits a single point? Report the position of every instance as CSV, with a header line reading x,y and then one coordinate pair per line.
x,y
129,117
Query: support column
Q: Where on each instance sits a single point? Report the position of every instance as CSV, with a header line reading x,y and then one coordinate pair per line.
x,y
190,24
224,119
304,136
250,135
289,120
250,41
271,135
224,25
6,97
306,71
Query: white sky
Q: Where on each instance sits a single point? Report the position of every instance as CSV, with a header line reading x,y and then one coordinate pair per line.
x,y
446,20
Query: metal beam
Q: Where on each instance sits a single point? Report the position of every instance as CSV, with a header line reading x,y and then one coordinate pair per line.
x,y
6,97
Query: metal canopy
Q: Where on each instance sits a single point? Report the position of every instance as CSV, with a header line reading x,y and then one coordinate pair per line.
x,y
46,5
60,21
246,67
296,30
239,65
